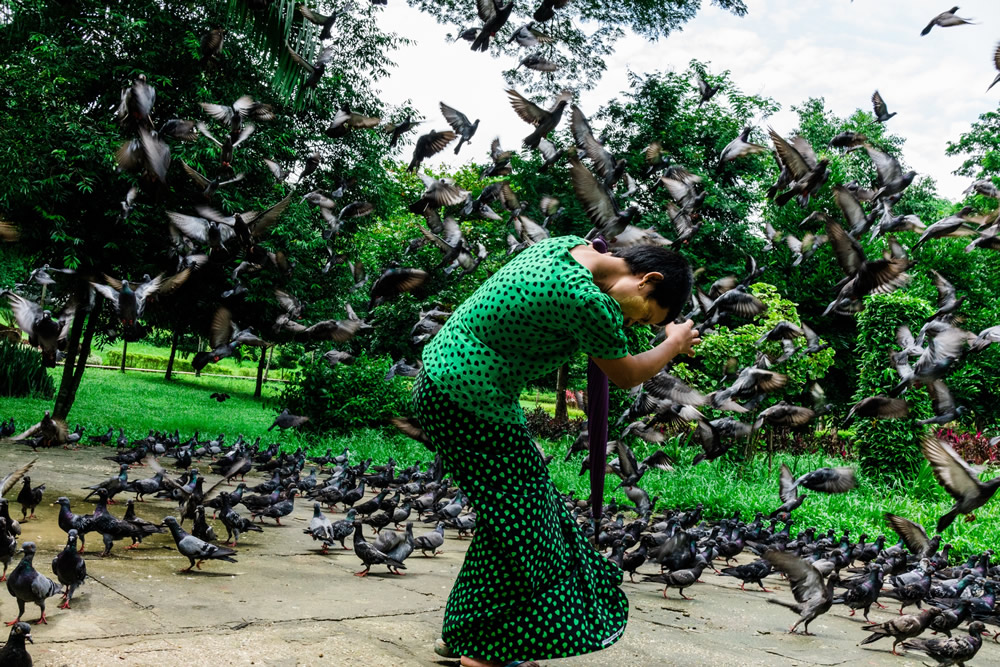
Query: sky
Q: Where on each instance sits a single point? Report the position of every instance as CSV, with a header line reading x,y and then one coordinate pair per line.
x,y
789,50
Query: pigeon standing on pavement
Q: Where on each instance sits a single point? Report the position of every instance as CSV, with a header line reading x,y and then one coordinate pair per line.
x,y
954,650
69,568
195,550
28,585
369,555
904,627
29,498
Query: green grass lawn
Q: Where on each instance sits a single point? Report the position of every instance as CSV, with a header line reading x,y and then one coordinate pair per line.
x,y
142,401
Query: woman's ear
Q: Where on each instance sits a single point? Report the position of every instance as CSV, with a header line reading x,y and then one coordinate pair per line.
x,y
653,277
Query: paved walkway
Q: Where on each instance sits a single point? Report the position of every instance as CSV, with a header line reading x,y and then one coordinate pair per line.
x,y
284,603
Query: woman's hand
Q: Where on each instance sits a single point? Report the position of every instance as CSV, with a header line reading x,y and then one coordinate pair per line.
x,y
684,336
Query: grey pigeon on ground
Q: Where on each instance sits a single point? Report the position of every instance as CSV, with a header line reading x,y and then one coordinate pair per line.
x,y
369,555
195,550
340,530
69,568
813,596
82,523
904,627
404,547
235,524
430,541
28,585
954,650
14,654
8,547
320,527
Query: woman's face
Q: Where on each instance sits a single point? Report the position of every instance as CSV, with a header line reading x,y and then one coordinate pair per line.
x,y
637,304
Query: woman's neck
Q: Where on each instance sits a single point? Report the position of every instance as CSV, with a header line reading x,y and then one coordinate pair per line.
x,y
606,269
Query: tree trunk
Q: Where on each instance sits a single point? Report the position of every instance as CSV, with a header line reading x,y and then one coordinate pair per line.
x,y
197,372
124,352
562,379
88,337
260,373
270,356
67,389
173,352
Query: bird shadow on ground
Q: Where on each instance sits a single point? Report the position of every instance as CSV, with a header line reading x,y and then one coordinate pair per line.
x,y
203,573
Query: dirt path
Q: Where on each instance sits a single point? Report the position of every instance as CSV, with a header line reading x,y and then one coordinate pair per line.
x,y
284,603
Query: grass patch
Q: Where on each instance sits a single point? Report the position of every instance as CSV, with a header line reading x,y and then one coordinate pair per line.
x,y
143,401
725,487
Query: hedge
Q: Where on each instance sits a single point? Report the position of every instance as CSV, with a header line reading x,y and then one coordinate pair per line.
x,y
114,358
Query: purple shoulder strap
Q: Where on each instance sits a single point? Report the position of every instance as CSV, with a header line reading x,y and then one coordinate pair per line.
x,y
597,422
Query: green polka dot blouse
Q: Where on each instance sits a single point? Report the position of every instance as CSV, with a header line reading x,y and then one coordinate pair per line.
x,y
524,322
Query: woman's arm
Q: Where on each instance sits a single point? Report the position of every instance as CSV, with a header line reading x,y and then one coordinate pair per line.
x,y
631,370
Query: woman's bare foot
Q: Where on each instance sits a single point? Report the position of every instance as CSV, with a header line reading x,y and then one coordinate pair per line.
x,y
475,662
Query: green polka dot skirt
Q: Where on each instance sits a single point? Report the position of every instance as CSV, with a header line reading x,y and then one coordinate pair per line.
x,y
531,586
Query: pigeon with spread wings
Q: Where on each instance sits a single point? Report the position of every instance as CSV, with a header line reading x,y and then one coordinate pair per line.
x,y
958,479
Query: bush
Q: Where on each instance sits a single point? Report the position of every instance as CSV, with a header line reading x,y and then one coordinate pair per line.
x,y
713,354
22,372
148,361
543,425
973,447
889,448
344,398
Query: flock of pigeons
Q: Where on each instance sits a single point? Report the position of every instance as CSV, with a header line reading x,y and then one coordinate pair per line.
x,y
821,567
404,496
681,542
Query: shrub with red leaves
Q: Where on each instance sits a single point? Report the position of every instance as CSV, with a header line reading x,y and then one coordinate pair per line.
x,y
973,447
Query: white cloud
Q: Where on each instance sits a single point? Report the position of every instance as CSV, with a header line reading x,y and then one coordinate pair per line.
x,y
787,49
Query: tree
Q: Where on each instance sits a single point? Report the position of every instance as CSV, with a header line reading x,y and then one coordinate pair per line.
x,y
59,109
982,146
583,33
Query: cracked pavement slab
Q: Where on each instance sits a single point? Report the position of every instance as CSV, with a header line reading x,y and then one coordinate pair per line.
x,y
284,603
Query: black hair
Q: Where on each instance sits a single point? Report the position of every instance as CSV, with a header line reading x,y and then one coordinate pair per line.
x,y
674,290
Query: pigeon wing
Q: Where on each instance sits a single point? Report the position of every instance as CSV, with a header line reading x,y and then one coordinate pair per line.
x,y
787,490
222,327
13,478
594,197
849,253
528,111
189,225
913,534
626,459
807,582
299,60
789,157
951,471
25,312
486,10
195,175
878,104
458,120
887,166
